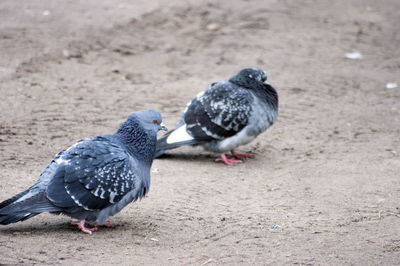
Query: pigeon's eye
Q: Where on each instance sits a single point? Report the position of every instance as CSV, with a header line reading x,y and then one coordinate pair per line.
x,y
155,122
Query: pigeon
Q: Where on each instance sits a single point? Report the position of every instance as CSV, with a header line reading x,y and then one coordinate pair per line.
x,y
228,114
95,178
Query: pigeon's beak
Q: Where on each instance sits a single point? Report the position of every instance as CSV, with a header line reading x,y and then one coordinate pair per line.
x,y
163,127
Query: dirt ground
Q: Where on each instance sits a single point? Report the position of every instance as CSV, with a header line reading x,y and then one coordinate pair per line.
x,y
324,185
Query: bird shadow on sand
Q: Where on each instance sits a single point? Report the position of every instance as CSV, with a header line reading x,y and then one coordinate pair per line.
x,y
182,156
192,157
57,228
33,229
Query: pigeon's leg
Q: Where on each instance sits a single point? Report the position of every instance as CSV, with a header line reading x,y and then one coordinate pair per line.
x,y
83,228
110,224
227,160
240,155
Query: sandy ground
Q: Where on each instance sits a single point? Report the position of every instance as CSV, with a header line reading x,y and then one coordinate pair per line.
x,y
324,185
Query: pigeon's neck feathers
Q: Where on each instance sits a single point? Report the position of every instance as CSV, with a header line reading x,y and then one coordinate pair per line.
x,y
140,142
269,94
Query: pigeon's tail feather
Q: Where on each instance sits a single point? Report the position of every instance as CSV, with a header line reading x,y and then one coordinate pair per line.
x,y
9,219
174,139
13,199
24,206
161,151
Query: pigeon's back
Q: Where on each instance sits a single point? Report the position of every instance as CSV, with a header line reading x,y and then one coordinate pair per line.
x,y
220,112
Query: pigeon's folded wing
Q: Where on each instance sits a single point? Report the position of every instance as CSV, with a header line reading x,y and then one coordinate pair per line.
x,y
218,113
95,174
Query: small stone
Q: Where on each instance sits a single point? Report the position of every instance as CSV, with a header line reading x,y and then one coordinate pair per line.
x,y
391,85
213,27
65,53
273,227
354,55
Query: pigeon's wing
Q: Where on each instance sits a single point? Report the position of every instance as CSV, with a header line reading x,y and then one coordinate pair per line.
x,y
220,112
94,174
181,120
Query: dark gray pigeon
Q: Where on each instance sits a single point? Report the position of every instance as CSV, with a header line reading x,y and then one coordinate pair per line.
x,y
228,114
95,178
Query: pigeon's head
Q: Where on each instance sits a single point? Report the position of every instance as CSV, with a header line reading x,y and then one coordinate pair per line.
x,y
249,76
151,120
147,122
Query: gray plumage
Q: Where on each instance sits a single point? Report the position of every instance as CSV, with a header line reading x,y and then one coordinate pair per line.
x,y
95,178
228,114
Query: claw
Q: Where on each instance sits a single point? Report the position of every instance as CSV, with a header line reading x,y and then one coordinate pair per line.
x,y
110,224
87,230
240,155
227,160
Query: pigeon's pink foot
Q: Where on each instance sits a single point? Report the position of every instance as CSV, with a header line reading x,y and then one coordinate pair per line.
x,y
110,224
240,155
227,160
83,228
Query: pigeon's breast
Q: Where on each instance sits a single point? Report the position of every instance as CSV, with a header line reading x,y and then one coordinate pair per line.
x,y
262,117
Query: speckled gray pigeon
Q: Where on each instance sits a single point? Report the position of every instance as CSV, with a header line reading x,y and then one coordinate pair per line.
x,y
228,114
95,178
